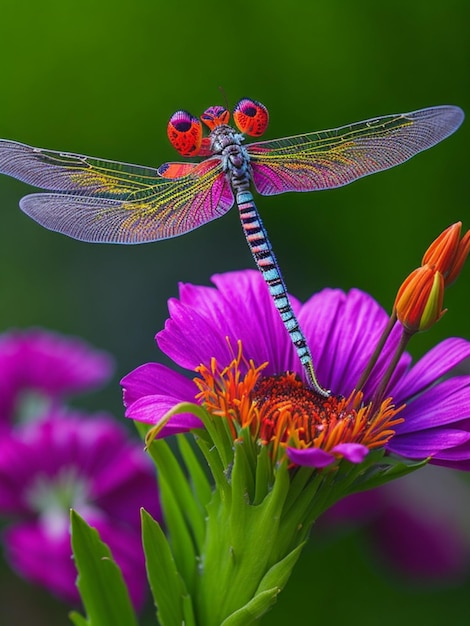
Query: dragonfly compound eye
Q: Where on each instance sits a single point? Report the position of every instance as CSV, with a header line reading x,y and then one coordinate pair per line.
x,y
185,133
251,117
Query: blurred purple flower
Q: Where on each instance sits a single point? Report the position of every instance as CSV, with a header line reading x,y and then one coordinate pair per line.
x,y
418,524
342,331
45,367
88,463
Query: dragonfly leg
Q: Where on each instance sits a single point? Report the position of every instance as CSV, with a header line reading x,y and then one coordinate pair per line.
x,y
263,255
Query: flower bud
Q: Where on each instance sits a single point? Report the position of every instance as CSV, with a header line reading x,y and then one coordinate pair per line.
x,y
418,304
448,252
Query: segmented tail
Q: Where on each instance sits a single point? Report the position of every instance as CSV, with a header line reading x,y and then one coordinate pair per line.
x,y
263,255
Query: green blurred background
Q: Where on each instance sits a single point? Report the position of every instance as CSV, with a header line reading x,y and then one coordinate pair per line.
x,y
102,77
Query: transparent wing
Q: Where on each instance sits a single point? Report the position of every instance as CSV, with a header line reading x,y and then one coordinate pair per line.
x,y
168,208
332,158
73,173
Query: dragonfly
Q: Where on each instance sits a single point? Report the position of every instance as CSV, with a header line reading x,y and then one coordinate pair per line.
x,y
97,200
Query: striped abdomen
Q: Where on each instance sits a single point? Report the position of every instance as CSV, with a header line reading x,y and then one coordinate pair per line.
x,y
263,255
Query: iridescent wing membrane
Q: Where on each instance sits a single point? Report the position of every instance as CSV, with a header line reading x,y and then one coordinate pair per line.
x,y
107,201
110,202
332,158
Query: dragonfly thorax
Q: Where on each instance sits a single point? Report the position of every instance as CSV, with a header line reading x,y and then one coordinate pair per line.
x,y
223,136
227,142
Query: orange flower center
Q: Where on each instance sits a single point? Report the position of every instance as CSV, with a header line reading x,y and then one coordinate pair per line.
x,y
281,411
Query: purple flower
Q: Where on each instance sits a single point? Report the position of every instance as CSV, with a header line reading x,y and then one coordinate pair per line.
x,y
45,367
88,463
343,330
418,524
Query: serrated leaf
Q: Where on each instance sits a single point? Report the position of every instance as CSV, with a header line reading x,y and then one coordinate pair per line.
x,y
100,582
168,588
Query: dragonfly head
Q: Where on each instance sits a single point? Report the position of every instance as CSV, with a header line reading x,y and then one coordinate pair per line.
x,y
185,130
215,116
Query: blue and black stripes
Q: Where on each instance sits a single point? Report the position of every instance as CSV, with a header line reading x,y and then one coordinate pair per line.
x,y
263,255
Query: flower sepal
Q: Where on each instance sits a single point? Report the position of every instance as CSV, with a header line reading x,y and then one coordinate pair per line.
x,y
223,536
244,530
378,469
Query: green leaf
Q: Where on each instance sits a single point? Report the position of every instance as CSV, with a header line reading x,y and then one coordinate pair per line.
x,y
278,574
266,595
395,468
213,459
253,610
179,489
171,598
179,533
221,435
184,517
100,580
242,476
78,619
264,475
199,479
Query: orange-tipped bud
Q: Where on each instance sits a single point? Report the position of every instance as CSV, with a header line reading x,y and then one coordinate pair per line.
x,y
418,304
447,253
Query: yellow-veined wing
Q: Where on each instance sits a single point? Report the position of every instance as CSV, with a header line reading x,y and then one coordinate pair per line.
x,y
72,173
332,158
111,202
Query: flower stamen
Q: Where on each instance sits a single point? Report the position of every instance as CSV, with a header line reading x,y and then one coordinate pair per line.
x,y
281,412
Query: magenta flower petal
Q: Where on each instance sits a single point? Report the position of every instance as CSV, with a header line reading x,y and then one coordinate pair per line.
x,y
189,338
325,320
69,460
315,457
456,458
341,349
29,547
12,473
255,320
446,403
198,330
49,364
145,404
353,452
433,366
154,379
342,330
150,409
312,457
429,443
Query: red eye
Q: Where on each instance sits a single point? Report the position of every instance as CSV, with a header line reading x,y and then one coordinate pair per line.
x,y
251,117
185,133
